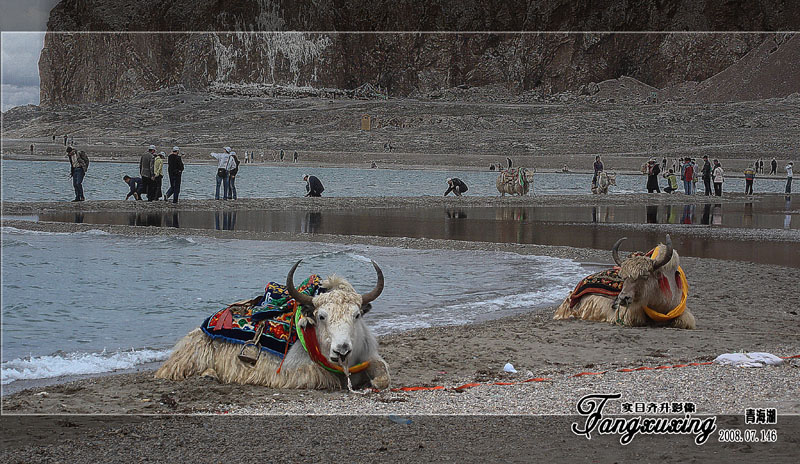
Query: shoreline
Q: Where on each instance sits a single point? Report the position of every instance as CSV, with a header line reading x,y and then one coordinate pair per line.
x,y
351,160
432,356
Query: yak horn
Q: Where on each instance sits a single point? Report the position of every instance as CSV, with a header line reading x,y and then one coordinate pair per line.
x,y
615,251
301,298
662,260
375,293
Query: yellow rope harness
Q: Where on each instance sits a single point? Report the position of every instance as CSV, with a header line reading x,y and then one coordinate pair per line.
x,y
677,310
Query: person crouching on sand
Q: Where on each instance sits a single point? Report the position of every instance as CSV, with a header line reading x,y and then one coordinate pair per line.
x,y
136,186
314,187
456,186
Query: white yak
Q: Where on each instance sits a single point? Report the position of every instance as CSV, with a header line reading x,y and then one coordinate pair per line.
x,y
345,345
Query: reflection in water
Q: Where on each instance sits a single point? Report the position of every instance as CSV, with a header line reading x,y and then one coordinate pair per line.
x,y
688,214
79,217
787,218
311,222
228,220
149,219
706,220
456,214
652,214
602,214
563,226
716,215
747,217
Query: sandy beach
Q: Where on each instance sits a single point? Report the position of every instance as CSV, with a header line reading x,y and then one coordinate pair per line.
x,y
739,306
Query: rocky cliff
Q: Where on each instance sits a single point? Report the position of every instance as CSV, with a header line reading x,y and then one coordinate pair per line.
x,y
261,44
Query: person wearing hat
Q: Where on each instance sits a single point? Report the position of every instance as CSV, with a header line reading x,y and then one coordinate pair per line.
x,y
456,186
175,171
147,170
78,165
222,173
158,174
653,170
314,187
706,171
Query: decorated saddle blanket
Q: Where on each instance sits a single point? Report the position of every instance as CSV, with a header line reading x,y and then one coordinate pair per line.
x,y
514,176
606,283
237,322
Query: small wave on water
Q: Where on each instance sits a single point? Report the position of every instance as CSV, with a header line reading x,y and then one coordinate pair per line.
x,y
57,365
14,230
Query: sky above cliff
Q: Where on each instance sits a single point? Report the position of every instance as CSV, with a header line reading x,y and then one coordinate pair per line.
x,y
22,23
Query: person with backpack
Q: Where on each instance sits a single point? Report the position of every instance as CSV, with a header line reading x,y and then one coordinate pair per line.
x,y
222,172
233,169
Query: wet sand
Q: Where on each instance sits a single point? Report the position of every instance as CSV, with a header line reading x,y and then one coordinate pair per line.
x,y
739,307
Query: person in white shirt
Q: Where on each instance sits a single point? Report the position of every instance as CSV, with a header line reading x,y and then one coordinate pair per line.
x,y
717,175
222,173
789,177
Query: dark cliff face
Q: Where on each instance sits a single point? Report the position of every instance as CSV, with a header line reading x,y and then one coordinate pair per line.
x,y
82,67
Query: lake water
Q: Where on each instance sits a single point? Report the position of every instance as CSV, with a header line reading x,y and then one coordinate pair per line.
x,y
92,302
49,181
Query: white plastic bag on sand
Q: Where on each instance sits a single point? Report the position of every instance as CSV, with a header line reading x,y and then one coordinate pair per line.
x,y
748,359
509,368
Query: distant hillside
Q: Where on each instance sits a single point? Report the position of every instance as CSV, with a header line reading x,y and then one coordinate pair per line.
x,y
82,68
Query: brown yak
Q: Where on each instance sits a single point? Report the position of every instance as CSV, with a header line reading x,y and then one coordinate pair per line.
x,y
645,290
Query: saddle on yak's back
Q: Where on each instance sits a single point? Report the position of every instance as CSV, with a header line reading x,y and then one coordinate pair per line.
x,y
275,309
607,283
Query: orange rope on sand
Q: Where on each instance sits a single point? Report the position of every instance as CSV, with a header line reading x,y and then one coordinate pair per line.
x,y
543,379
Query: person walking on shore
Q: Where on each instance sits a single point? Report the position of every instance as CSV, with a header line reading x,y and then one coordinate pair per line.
x,y
78,165
146,171
314,187
175,171
707,175
233,169
718,175
774,170
158,171
761,165
294,157
457,186
653,170
749,175
789,177
222,172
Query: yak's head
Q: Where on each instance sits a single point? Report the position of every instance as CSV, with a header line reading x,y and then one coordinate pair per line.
x,y
641,273
337,315
612,178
